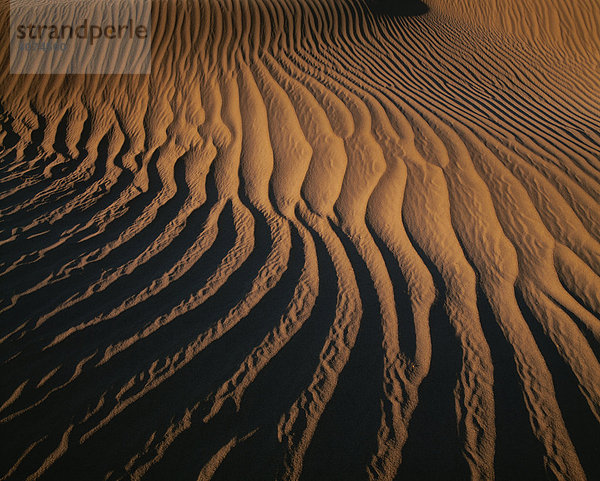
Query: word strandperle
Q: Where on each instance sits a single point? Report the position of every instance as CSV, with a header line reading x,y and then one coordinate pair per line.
x,y
92,32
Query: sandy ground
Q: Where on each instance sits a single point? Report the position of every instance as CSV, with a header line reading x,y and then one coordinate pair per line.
x,y
322,240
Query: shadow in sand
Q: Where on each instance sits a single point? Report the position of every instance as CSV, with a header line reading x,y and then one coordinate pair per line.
x,y
519,455
353,415
580,422
398,8
433,449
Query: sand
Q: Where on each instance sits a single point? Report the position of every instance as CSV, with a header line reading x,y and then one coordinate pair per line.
x,y
322,240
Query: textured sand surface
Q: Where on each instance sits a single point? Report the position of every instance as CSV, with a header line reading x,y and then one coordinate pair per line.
x,y
323,240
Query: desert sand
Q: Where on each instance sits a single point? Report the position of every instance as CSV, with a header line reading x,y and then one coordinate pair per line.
x,y
322,240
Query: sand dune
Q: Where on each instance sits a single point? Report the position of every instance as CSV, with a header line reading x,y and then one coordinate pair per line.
x,y
321,240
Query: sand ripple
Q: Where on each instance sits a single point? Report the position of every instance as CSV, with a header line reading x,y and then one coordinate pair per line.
x,y
318,242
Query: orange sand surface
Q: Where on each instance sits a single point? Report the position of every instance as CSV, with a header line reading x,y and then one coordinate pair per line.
x,y
322,240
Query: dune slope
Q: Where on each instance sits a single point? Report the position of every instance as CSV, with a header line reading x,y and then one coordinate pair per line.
x,y
321,240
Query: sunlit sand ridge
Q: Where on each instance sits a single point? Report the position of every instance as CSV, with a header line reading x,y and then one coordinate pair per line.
x,y
322,240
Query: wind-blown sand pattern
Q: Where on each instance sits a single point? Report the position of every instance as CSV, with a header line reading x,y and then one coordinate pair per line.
x,y
322,240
